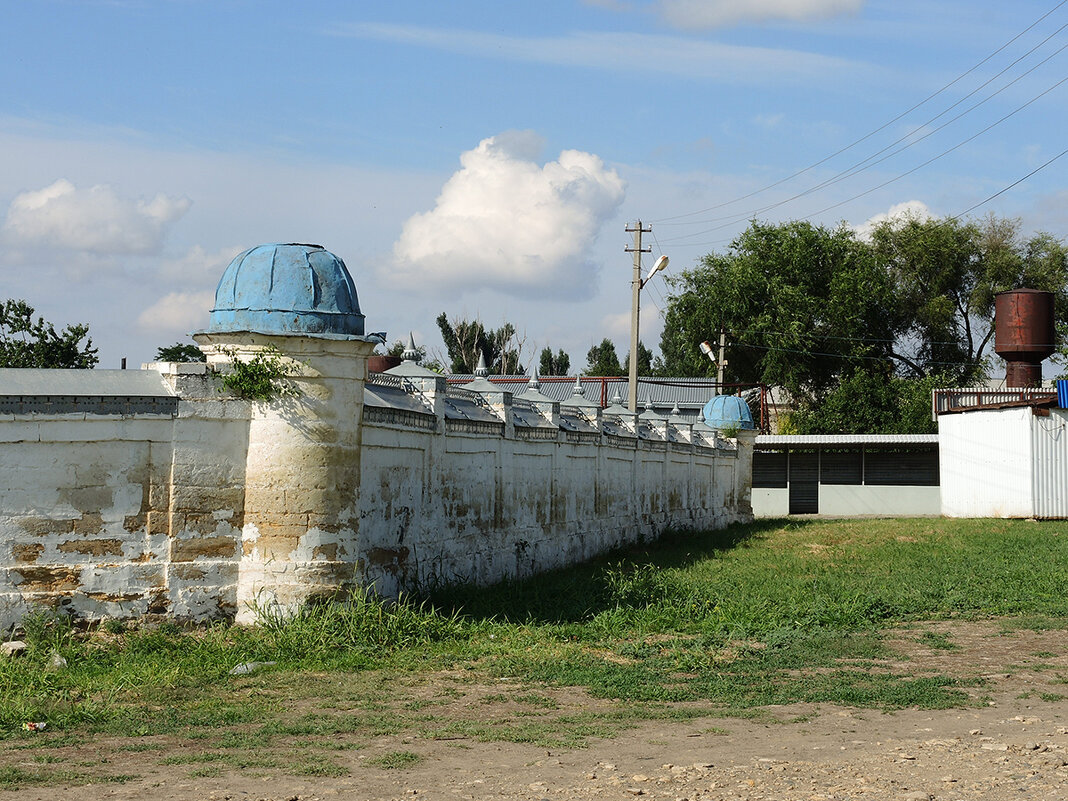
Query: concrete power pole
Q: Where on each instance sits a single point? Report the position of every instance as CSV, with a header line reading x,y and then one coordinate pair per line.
x,y
636,287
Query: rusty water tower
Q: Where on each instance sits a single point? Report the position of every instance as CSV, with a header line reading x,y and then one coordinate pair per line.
x,y
1023,334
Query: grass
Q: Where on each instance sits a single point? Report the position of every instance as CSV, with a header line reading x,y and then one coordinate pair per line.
x,y
774,612
396,760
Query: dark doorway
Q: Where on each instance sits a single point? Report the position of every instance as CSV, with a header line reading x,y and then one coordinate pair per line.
x,y
804,482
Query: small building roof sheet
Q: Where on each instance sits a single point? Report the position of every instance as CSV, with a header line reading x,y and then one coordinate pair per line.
x,y
807,440
84,383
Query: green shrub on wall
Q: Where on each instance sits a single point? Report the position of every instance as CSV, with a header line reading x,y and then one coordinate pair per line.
x,y
261,378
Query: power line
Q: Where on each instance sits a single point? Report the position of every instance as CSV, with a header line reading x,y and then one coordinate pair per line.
x,y
840,355
884,126
867,163
940,155
1010,186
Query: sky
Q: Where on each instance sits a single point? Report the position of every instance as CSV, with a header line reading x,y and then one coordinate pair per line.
x,y
484,158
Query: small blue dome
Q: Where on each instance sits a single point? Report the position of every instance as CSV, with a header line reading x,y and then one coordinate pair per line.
x,y
728,411
287,289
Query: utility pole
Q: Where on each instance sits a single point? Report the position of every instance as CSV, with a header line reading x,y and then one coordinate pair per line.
x,y
636,287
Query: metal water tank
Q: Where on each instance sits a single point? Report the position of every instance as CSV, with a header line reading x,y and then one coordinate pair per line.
x,y
1023,334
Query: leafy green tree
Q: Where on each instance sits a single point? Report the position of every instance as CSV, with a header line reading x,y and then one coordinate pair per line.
x,y
858,332
466,339
645,361
28,343
601,360
803,306
549,364
945,274
180,352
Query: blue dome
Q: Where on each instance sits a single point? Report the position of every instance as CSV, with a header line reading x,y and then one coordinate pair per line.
x,y
728,411
287,289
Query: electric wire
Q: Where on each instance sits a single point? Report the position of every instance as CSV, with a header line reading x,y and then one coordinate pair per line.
x,y
884,126
940,155
1010,186
897,177
865,164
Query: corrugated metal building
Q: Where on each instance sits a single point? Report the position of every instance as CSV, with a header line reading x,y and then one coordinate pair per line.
x,y
846,475
1010,461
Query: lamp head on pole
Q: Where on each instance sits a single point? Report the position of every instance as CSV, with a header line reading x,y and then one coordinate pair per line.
x,y
658,265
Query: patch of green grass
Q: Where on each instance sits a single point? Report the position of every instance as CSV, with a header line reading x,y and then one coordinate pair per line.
x,y
938,641
1051,697
773,612
13,777
318,767
396,760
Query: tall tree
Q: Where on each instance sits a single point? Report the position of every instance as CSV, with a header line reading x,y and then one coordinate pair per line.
x,y
548,364
801,305
180,352
601,360
945,274
645,360
858,331
28,343
465,340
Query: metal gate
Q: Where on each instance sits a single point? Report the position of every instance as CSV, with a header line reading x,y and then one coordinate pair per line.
x,y
804,482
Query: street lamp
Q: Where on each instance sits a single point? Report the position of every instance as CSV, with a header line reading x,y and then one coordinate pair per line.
x,y
636,287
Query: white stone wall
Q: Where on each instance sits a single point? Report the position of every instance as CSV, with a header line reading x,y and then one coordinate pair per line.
x,y
122,516
442,508
230,503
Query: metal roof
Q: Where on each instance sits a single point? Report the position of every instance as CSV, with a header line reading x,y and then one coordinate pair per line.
x,y
387,397
84,383
691,393
805,440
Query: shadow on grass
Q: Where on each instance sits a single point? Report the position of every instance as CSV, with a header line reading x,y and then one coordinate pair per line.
x,y
575,594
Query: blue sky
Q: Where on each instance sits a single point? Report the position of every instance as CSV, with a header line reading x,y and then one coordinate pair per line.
x,y
483,158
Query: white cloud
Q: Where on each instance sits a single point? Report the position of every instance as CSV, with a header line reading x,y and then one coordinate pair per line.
x,y
704,14
909,210
177,313
686,57
198,267
96,220
504,222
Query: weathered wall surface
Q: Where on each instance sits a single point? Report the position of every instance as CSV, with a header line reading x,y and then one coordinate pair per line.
x,y
219,505
468,507
122,515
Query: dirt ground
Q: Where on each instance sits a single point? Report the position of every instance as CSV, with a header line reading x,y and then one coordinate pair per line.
x,y
1013,746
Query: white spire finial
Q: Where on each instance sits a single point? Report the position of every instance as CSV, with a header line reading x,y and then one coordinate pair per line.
x,y
579,391
411,353
481,369
533,384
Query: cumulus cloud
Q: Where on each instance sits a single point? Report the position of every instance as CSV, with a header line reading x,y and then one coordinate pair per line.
x,y
909,210
705,14
96,220
505,222
177,313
